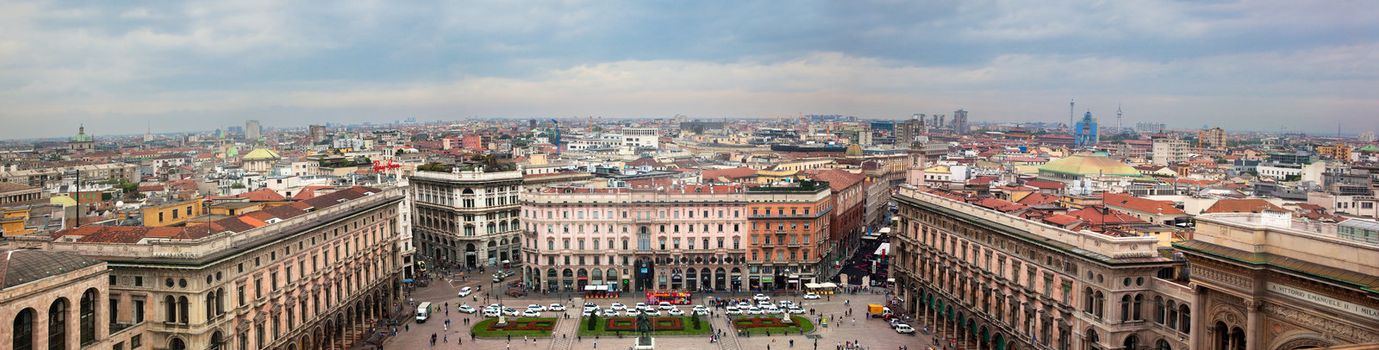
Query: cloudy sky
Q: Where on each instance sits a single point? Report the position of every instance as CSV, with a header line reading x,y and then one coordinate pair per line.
x,y
122,66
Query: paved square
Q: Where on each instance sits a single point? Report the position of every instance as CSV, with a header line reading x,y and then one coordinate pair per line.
x,y
871,333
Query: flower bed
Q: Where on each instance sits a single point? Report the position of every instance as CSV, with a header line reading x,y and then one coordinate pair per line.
x,y
536,327
526,325
657,323
764,325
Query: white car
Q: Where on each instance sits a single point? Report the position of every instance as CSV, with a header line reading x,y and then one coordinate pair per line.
x,y
744,305
652,312
734,310
556,307
536,307
609,313
753,311
785,303
904,329
511,312
772,310
467,309
665,306
590,305
589,312
761,297
642,306
633,313
796,311
675,312
811,296
466,291
531,313
491,313
617,307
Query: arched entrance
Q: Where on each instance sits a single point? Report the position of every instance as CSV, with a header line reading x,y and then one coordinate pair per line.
x,y
471,255
217,341
177,344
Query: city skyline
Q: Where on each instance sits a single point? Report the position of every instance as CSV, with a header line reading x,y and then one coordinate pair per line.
x,y
196,66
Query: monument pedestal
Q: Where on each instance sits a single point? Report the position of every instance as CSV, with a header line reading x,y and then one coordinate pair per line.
x,y
644,343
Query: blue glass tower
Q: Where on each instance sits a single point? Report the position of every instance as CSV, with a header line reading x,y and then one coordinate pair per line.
x,y
1085,133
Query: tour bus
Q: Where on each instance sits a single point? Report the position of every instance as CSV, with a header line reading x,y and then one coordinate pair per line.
x,y
423,312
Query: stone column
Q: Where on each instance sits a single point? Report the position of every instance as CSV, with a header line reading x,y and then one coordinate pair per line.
x,y
1199,300
1252,324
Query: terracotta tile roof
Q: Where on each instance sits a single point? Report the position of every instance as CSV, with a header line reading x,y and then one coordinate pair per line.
x,y
1037,198
733,173
262,195
1000,205
838,180
308,192
1105,217
1045,185
1245,205
1061,220
1148,206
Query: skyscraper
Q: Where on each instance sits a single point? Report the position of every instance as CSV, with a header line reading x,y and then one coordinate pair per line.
x,y
1085,133
960,121
252,131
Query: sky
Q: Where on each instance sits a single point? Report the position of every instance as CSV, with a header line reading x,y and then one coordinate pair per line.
x,y
123,67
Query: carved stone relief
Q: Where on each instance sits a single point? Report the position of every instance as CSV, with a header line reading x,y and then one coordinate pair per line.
x,y
1321,325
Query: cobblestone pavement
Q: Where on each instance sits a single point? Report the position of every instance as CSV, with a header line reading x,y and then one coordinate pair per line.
x,y
873,334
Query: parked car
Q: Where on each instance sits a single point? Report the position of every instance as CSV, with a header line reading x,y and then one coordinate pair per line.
x,y
701,312
556,307
734,310
466,291
531,313
665,306
811,296
904,329
761,297
618,306
675,312
536,307
467,309
633,312
652,312
491,313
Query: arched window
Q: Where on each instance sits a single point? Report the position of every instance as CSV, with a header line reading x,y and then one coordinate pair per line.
x,y
1100,306
1139,301
1185,319
1132,342
1092,339
88,316
1125,308
183,310
57,325
1172,314
23,328
1088,300
1159,310
170,309
210,304
1162,345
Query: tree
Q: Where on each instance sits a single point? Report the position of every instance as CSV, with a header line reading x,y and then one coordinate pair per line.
x,y
696,322
593,320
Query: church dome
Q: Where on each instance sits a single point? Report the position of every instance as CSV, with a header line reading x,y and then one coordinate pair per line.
x,y
261,154
1083,165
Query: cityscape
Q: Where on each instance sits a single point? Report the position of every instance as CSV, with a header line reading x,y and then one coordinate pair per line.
x,y
224,180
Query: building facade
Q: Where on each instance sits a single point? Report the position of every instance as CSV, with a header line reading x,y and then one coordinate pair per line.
x,y
1266,282
680,238
58,301
985,280
467,218
308,276
788,238
1168,151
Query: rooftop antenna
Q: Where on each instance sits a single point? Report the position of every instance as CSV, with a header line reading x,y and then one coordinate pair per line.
x,y
1119,118
1072,103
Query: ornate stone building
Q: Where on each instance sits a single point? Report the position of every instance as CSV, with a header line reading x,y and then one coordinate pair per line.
x,y
982,279
680,238
467,218
311,275
58,301
1265,282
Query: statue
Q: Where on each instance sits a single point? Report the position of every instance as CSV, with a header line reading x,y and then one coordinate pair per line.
x,y
643,326
644,340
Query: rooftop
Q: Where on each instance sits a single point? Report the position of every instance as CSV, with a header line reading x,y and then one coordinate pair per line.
x,y
26,265
1089,165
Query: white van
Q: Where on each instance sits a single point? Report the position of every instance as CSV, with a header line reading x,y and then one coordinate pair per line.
x,y
423,312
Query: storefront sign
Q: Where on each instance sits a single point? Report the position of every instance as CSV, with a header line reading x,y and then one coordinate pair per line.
x,y
1323,300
